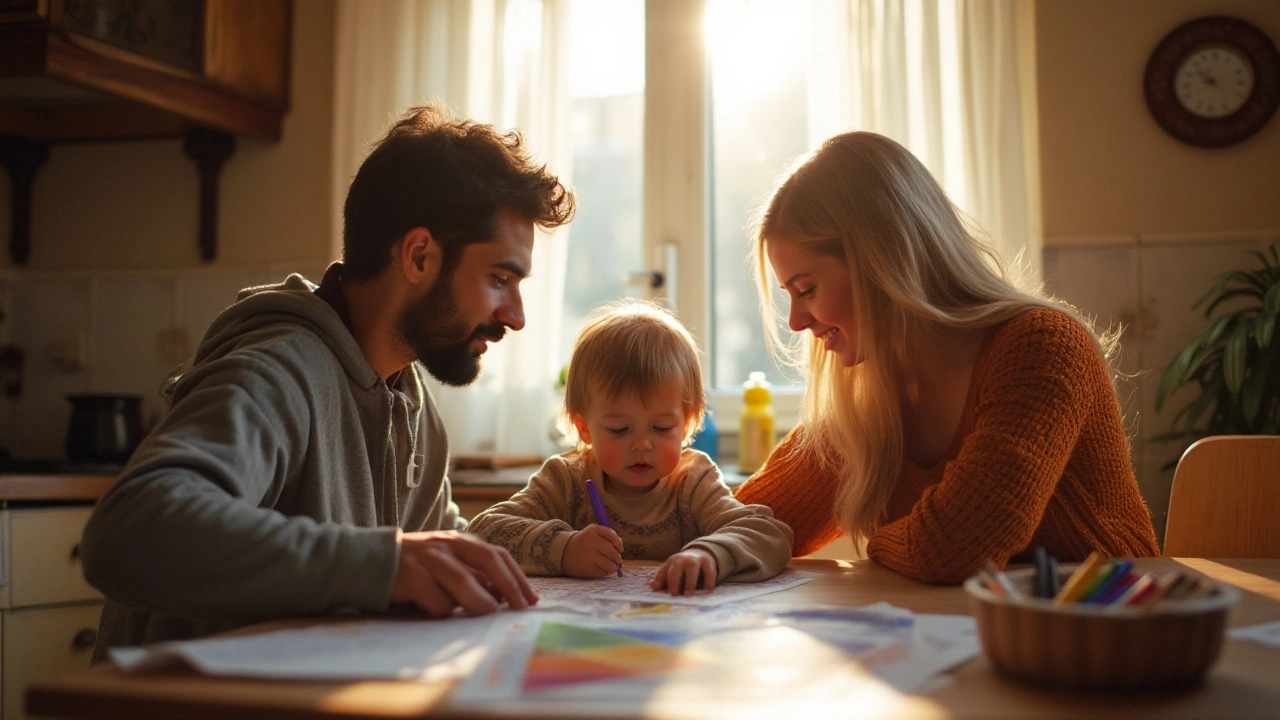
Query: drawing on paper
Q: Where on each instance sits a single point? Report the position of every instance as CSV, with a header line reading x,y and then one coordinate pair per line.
x,y
566,654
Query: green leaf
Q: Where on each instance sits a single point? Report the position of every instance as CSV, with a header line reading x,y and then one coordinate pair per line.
x,y
1207,355
1272,301
1211,388
1259,279
1174,376
1264,326
1218,287
1251,394
1233,358
1255,294
1210,336
1262,258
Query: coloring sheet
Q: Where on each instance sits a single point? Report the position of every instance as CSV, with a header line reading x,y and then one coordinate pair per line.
x,y
761,664
1266,633
634,586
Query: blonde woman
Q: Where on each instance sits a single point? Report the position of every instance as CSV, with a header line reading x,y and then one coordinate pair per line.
x,y
949,417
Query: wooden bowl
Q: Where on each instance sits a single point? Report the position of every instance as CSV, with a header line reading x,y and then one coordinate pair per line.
x,y
1081,646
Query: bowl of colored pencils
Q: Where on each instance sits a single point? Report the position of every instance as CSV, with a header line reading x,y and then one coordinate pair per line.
x,y
1101,624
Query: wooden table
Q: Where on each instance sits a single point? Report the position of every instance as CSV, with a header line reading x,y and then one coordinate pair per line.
x,y
1245,683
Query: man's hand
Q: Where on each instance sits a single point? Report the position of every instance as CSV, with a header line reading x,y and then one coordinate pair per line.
x,y
680,573
442,570
592,552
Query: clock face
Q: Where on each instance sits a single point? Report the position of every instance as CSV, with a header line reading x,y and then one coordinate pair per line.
x,y
1214,81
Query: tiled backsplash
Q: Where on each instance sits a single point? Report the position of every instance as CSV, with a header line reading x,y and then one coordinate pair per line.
x,y
1148,284
108,333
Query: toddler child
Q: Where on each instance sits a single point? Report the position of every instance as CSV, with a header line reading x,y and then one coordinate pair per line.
x,y
634,396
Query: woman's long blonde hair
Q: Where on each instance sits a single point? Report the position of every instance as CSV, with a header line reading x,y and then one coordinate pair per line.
x,y
867,202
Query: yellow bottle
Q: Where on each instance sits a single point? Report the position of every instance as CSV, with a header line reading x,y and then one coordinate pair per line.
x,y
756,433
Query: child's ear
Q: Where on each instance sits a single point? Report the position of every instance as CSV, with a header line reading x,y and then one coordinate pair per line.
x,y
584,433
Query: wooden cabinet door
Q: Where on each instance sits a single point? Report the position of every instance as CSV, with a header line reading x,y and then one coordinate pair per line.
x,y
46,556
43,642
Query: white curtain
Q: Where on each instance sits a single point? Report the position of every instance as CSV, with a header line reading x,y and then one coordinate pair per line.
x,y
496,61
940,77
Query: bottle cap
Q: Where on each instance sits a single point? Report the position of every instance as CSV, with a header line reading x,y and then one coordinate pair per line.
x,y
755,391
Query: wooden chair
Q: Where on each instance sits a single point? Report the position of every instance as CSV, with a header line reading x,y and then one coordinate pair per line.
x,y
1225,500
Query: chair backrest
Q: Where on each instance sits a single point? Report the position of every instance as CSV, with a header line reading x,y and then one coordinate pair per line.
x,y
1225,500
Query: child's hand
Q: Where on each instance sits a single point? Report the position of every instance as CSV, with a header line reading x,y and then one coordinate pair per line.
x,y
592,552
680,573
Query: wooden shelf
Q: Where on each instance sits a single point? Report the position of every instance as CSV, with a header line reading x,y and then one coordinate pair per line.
x,y
69,74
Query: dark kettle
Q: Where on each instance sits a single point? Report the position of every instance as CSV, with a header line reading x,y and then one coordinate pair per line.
x,y
104,429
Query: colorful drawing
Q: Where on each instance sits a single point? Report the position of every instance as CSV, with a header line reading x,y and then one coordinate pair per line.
x,y
566,654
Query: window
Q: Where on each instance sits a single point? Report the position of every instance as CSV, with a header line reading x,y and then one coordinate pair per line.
x,y
676,131
606,84
731,93
699,204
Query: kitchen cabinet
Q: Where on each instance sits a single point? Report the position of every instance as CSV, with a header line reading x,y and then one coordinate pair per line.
x,y
48,613
113,69
84,70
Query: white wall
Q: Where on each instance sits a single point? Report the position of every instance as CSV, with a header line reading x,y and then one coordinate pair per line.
x,y
1137,224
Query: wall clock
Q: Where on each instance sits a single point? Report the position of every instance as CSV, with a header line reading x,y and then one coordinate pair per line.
x,y
1213,81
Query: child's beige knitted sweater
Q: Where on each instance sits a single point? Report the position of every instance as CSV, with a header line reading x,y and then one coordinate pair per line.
x,y
690,508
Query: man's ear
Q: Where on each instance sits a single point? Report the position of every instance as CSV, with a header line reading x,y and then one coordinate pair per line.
x,y
420,256
584,432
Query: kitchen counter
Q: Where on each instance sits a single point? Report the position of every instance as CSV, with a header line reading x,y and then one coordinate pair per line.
x,y
55,487
481,485
89,486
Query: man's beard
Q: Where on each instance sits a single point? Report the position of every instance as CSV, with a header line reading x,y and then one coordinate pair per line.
x,y
435,331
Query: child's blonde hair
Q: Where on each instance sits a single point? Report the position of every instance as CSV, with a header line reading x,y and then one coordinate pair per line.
x,y
633,348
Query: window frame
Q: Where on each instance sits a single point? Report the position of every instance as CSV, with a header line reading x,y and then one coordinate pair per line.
x,y
677,192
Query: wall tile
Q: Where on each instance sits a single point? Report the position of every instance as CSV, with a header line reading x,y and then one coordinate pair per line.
x,y
51,323
203,297
129,315
1103,283
1172,278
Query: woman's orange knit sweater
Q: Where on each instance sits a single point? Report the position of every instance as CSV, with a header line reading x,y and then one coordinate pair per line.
x,y
1040,458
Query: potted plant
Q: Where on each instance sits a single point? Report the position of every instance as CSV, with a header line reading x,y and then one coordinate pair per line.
x,y
1235,361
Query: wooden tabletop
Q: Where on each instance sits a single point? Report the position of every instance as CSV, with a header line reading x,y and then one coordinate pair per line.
x,y
1245,683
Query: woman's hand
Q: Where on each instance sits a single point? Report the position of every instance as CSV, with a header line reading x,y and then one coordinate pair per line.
x,y
592,552
681,572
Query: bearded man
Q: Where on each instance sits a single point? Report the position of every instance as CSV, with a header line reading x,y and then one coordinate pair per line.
x,y
300,469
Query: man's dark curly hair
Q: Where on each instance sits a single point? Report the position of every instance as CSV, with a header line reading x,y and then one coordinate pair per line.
x,y
450,176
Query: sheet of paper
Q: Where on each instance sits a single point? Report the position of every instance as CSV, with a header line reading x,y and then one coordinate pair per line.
x,y
759,664
619,658
1266,633
410,649
634,586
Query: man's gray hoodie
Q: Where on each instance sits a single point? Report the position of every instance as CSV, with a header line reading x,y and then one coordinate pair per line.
x,y
274,485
